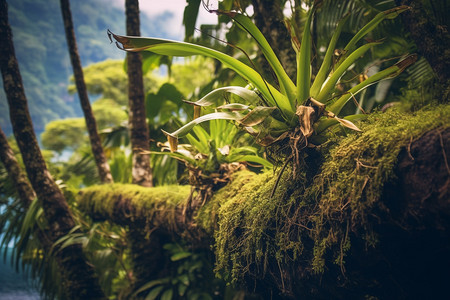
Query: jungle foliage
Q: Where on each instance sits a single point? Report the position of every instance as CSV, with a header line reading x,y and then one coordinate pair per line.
x,y
258,173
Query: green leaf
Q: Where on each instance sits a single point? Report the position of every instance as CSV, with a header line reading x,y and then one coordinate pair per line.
x,y
201,134
286,84
324,123
388,14
184,279
250,158
325,67
190,17
174,48
219,115
180,255
386,73
154,293
151,284
149,62
179,154
216,97
234,107
201,146
330,84
304,62
256,116
182,289
154,102
167,295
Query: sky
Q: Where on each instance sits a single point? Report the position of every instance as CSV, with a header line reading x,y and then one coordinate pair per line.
x,y
175,8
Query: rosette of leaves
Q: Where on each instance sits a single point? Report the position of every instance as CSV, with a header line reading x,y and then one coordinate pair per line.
x,y
213,155
300,110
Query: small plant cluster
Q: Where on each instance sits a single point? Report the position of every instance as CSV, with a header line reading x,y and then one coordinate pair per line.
x,y
212,157
191,277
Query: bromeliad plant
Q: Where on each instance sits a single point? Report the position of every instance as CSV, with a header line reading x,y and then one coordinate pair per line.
x,y
213,155
302,110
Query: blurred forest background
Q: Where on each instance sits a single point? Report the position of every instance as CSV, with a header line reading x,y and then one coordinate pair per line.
x,y
42,51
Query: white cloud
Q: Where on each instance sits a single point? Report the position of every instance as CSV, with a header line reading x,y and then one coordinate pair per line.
x,y
175,26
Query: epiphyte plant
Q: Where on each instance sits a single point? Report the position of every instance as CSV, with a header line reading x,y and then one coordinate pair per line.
x,y
301,110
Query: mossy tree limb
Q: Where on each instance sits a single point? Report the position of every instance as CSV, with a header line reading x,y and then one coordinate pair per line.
x,y
315,240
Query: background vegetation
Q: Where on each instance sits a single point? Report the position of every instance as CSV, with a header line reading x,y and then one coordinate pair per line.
x,y
275,205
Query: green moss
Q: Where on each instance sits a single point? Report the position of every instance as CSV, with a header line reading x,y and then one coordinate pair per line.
x,y
303,224
146,202
248,220
208,214
351,180
311,225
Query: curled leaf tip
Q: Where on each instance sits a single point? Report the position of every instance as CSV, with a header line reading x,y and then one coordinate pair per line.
x,y
173,141
109,36
230,14
197,111
120,46
348,124
409,60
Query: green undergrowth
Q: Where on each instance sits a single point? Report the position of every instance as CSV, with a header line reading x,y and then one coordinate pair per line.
x,y
101,200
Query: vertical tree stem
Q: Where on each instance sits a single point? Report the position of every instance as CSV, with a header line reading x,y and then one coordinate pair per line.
x,y
78,275
96,145
142,173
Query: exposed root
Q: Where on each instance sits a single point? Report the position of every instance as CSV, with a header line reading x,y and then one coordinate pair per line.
x,y
443,152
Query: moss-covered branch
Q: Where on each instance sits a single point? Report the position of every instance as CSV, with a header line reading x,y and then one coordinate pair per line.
x,y
312,239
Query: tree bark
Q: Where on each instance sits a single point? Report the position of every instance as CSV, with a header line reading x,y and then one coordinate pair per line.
x,y
269,19
96,145
22,185
142,173
75,270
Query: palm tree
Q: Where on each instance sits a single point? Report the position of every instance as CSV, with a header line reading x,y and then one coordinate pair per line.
x,y
142,173
96,145
77,274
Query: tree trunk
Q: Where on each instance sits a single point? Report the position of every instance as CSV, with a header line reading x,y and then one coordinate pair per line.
x,y
269,18
20,180
96,145
142,173
75,270
22,185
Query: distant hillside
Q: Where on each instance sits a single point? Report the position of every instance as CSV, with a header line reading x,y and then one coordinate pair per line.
x,y
42,52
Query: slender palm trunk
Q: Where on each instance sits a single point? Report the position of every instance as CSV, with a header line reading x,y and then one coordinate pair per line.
x,y
142,173
96,145
78,275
